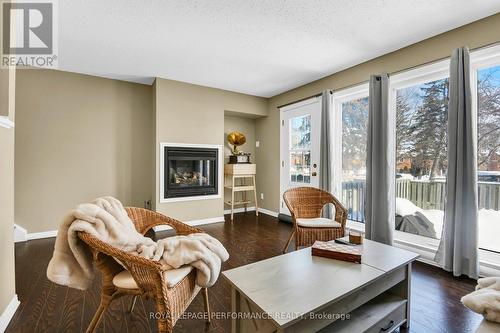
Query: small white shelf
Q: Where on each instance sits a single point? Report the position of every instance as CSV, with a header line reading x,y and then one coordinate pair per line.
x,y
238,202
241,188
236,179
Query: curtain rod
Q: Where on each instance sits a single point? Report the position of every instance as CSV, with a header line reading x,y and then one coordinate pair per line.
x,y
299,100
304,99
392,73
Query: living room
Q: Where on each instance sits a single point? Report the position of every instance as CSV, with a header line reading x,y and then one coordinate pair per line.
x,y
261,132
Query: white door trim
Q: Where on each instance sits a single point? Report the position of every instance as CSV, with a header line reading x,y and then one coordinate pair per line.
x,y
284,136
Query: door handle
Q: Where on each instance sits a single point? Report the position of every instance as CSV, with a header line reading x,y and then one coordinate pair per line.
x,y
314,173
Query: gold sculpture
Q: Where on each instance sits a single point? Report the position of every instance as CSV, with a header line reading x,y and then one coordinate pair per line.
x,y
236,139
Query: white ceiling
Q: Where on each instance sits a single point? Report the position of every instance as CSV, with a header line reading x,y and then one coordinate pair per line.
x,y
257,47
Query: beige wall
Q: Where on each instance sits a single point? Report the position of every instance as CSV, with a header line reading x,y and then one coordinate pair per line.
x,y
4,92
187,113
79,137
246,126
477,34
7,272
7,93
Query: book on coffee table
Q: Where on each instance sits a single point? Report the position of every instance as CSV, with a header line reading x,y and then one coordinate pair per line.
x,y
332,250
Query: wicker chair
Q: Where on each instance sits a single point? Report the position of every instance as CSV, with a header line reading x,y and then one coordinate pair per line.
x,y
148,277
305,205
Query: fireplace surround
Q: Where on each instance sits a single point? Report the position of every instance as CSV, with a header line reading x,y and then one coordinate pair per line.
x,y
190,172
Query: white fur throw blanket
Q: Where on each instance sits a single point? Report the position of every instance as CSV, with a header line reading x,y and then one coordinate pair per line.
x,y
106,219
486,299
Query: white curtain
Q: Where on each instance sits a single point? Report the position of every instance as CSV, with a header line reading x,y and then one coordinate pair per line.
x,y
458,248
380,163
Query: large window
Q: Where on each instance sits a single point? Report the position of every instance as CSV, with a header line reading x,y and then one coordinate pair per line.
x,y
421,162
352,119
419,99
488,155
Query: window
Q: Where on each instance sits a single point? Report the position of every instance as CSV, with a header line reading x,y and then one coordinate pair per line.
x,y
486,93
351,116
421,149
420,100
300,149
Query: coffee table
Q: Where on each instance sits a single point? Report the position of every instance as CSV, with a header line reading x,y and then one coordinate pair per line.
x,y
297,292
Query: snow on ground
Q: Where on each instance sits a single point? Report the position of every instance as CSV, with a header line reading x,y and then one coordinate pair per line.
x,y
488,222
489,229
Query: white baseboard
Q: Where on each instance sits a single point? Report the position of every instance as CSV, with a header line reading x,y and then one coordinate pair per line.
x,y
20,234
53,233
251,209
43,234
193,223
6,122
8,313
239,210
268,212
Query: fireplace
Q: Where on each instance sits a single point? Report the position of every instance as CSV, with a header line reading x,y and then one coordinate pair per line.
x,y
190,171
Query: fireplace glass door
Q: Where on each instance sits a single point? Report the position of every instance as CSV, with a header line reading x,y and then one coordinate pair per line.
x,y
190,171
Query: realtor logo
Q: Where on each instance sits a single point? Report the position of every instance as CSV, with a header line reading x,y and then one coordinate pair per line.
x,y
29,33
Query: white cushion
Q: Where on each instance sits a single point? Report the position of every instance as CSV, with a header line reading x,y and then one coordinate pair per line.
x,y
173,276
319,222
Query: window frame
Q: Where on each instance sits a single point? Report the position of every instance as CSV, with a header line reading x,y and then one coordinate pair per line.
x,y
422,74
489,261
482,59
338,98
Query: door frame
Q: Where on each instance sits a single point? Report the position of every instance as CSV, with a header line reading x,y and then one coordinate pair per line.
x,y
284,136
338,98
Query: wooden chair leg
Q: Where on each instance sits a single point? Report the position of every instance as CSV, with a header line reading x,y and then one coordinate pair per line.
x,y
288,241
105,300
163,326
165,321
207,303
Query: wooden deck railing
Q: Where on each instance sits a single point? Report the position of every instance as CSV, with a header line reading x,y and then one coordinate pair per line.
x,y
425,194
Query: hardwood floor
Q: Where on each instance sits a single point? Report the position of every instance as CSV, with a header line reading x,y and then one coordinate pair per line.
x,y
47,307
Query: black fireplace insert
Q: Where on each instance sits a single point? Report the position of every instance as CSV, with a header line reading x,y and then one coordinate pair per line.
x,y
190,171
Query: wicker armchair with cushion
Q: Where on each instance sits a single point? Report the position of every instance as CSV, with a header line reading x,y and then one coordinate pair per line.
x,y
305,205
172,290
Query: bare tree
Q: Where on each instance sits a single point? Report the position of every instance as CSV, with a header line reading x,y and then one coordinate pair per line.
x,y
488,142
